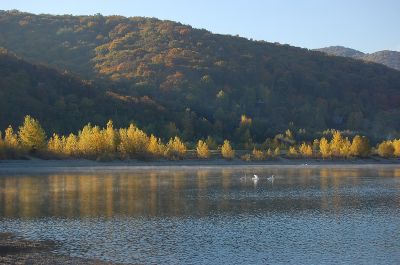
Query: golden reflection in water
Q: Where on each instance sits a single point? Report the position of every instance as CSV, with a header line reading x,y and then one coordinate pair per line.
x,y
176,184
324,186
10,201
168,192
226,181
26,191
202,204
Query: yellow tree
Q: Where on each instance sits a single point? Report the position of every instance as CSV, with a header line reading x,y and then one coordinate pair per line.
x,y
385,149
110,138
32,135
269,153
202,150
245,121
92,141
396,146
289,134
176,149
336,143
100,145
324,148
63,143
277,152
360,146
155,147
292,152
227,151
71,145
124,142
258,154
133,142
345,148
87,144
55,144
10,138
306,150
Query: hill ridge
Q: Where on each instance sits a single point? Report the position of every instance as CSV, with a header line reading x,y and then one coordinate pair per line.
x,y
207,82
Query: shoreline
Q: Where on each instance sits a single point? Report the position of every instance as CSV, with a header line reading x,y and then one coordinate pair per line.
x,y
81,165
14,250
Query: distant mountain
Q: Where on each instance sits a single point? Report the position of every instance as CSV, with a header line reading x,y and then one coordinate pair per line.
x,y
174,79
388,58
341,51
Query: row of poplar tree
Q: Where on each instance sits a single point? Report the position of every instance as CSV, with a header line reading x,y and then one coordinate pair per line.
x,y
109,143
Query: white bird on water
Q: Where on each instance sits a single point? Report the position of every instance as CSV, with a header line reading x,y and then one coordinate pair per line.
x,y
271,178
255,178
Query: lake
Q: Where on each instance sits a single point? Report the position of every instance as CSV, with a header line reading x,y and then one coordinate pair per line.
x,y
211,215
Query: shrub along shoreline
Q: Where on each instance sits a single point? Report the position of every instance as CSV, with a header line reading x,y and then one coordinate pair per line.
x,y
109,143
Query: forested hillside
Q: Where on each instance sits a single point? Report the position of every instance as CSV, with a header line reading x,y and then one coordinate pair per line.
x,y
204,83
61,101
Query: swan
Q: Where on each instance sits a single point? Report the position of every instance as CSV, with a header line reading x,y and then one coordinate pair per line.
x,y
271,178
255,178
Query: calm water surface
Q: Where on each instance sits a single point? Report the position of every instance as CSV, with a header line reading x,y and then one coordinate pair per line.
x,y
307,215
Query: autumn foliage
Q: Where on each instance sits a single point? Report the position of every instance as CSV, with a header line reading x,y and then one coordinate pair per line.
x,y
109,143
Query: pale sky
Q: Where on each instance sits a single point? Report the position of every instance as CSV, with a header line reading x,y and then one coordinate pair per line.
x,y
365,25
